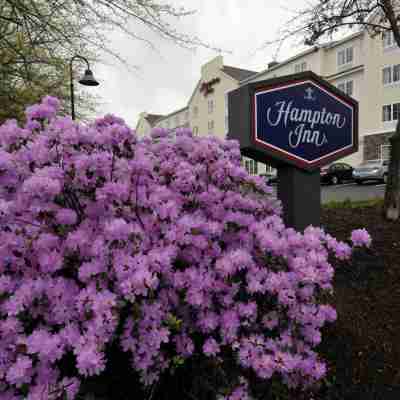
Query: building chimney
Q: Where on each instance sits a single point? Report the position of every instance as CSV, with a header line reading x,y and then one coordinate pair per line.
x,y
272,64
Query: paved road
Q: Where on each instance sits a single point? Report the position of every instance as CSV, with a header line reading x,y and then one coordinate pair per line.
x,y
352,191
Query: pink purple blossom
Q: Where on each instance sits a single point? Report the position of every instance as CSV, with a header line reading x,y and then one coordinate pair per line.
x,y
164,244
360,237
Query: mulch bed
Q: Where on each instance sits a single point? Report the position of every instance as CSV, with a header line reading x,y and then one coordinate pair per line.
x,y
363,347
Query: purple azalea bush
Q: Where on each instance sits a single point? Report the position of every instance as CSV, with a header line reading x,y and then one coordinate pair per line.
x,y
164,245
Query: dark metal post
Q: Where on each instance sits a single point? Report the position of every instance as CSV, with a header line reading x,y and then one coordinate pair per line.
x,y
87,80
300,193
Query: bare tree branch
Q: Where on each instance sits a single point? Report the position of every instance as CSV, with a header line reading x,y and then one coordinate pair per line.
x,y
324,18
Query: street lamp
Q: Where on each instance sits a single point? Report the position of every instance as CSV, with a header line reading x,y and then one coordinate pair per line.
x,y
87,80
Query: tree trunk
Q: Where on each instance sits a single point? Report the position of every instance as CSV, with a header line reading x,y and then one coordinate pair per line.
x,y
391,207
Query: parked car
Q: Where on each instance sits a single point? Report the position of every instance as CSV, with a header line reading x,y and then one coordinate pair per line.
x,y
270,177
371,170
336,173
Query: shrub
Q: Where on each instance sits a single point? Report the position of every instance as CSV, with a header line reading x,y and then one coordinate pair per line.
x,y
163,246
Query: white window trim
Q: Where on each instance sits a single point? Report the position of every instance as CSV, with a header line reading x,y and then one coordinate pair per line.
x,y
346,63
391,75
390,121
345,82
390,33
251,166
392,46
392,82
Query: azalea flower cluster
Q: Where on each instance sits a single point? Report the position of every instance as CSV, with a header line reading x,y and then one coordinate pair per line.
x,y
164,245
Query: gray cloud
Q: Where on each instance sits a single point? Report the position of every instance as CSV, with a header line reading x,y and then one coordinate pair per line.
x,y
166,78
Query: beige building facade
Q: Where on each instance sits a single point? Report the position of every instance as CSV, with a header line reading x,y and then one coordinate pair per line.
x,y
206,112
368,69
363,66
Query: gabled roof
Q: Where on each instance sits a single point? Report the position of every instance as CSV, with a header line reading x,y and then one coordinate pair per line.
x,y
334,43
285,62
171,114
153,118
194,91
237,73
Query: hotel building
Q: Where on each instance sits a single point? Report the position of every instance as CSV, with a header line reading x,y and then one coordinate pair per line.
x,y
363,66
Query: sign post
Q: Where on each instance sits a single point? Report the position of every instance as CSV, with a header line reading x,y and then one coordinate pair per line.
x,y
296,123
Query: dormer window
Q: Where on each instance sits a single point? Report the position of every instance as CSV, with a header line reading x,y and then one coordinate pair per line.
x,y
388,41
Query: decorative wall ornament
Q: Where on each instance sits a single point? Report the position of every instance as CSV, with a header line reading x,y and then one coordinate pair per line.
x,y
207,87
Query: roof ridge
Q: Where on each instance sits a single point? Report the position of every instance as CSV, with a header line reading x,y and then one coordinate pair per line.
x,y
241,69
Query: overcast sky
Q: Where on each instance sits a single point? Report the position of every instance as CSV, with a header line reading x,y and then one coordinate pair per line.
x,y
165,79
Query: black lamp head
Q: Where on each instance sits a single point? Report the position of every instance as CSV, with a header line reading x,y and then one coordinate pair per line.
x,y
88,79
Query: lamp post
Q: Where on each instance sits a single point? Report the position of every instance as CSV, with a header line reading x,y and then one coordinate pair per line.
x,y
87,80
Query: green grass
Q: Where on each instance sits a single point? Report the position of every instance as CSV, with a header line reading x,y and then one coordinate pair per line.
x,y
352,204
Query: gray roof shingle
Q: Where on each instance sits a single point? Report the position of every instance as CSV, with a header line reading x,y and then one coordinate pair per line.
x,y
237,73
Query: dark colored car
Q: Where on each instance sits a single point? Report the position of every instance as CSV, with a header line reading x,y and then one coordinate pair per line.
x,y
337,173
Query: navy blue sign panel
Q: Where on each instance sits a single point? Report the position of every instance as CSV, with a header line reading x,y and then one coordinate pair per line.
x,y
304,122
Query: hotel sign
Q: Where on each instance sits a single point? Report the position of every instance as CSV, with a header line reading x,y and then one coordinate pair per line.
x,y
299,120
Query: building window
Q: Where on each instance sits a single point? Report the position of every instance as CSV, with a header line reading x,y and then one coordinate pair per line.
x,y
195,131
210,126
195,111
387,113
345,56
346,87
395,111
251,166
388,41
385,151
269,169
210,106
255,167
396,73
300,67
391,74
387,75
186,115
